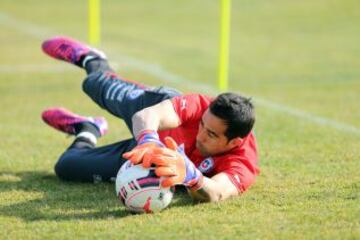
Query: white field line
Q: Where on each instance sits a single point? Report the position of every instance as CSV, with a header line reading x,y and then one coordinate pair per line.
x,y
35,68
25,27
160,73
168,77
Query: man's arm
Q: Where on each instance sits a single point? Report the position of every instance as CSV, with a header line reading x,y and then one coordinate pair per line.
x,y
215,189
146,123
176,168
161,116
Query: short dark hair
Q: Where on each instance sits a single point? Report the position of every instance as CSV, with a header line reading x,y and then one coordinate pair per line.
x,y
236,111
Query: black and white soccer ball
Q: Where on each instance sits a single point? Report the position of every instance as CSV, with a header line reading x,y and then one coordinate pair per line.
x,y
139,189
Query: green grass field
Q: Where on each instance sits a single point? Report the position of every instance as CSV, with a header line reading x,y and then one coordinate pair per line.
x,y
298,59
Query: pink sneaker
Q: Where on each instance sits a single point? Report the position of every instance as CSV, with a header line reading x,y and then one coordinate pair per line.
x,y
69,50
64,120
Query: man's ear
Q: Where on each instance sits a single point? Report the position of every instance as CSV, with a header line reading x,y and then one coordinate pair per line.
x,y
235,142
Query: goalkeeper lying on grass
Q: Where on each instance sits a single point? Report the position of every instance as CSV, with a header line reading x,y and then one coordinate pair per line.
x,y
194,140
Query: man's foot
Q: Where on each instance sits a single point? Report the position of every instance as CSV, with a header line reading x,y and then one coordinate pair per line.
x,y
68,122
70,50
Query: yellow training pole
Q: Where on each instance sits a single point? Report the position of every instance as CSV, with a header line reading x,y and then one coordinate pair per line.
x,y
94,22
224,44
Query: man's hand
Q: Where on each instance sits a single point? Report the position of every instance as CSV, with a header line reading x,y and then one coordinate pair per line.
x,y
172,164
147,141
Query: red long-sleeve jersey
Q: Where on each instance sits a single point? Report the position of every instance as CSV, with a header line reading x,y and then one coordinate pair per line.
x,y
240,164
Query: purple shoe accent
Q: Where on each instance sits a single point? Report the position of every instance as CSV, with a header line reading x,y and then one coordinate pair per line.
x,y
100,123
64,120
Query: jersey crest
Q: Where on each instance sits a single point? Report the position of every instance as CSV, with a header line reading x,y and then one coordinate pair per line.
x,y
206,165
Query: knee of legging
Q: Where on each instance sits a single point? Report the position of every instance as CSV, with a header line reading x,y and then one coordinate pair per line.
x,y
63,167
92,81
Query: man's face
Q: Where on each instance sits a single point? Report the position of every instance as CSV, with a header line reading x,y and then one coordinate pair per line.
x,y
210,139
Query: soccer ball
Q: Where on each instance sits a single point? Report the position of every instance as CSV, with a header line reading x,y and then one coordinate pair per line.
x,y
139,189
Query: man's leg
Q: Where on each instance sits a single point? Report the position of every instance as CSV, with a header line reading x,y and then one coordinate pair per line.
x,y
122,98
83,162
119,96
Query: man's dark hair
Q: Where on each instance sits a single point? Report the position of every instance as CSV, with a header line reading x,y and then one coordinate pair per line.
x,y
236,111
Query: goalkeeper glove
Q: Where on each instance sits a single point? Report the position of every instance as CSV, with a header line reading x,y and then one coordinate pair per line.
x,y
172,164
147,141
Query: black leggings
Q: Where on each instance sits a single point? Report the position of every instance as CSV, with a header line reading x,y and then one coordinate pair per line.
x,y
84,162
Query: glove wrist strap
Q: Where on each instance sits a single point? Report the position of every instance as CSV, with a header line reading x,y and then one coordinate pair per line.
x,y
196,185
148,136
